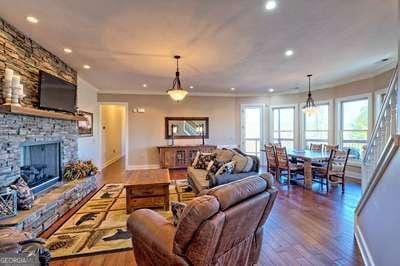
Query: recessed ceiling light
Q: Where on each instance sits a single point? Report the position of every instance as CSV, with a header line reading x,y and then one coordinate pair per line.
x,y
67,50
232,89
289,53
270,5
86,66
31,19
271,90
144,85
191,87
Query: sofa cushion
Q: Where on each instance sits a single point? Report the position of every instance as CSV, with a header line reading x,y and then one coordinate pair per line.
x,y
215,166
198,176
224,155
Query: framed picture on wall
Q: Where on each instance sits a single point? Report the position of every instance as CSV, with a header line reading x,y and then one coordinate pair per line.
x,y
85,125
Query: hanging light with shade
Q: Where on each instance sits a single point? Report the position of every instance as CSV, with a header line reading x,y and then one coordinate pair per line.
x,y
177,93
310,108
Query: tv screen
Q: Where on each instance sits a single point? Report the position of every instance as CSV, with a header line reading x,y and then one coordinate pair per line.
x,y
56,94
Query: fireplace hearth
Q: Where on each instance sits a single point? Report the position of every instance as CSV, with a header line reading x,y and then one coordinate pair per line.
x,y
41,165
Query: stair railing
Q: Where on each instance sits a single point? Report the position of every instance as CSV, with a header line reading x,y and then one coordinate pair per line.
x,y
386,128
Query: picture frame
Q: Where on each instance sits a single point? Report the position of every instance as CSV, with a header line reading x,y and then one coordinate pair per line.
x,y
85,126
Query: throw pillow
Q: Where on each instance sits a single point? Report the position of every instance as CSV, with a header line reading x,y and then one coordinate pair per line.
x,y
204,160
249,165
196,158
24,193
240,162
224,155
214,169
227,168
177,209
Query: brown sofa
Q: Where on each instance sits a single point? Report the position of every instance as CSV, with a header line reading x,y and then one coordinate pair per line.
x,y
224,226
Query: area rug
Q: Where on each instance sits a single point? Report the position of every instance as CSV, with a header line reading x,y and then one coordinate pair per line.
x,y
100,224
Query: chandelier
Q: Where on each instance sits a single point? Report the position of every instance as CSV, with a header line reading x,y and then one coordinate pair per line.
x,y
310,108
177,93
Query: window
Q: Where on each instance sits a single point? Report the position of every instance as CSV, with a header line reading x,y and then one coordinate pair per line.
x,y
354,121
316,126
283,126
252,129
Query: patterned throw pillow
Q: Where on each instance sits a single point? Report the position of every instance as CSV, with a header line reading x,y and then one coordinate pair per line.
x,y
204,160
214,169
177,209
25,195
227,168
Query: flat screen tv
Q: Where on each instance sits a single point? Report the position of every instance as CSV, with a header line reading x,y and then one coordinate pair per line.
x,y
56,94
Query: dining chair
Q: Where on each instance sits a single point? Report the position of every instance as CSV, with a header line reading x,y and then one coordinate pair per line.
x,y
272,165
285,166
335,169
329,148
316,147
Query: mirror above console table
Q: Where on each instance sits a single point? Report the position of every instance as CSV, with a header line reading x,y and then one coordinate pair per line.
x,y
186,127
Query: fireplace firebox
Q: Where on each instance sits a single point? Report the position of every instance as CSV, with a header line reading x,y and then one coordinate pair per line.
x,y
41,165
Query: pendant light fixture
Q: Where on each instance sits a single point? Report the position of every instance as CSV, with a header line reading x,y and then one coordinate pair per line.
x,y
177,93
310,108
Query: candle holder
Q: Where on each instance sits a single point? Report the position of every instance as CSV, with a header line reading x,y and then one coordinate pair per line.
x,y
200,130
174,129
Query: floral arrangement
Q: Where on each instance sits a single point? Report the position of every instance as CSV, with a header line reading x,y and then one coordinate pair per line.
x,y
79,169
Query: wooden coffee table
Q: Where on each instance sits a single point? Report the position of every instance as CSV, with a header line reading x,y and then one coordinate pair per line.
x,y
147,189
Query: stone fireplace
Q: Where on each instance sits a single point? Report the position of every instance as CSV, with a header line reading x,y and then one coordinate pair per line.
x,y
47,144
41,165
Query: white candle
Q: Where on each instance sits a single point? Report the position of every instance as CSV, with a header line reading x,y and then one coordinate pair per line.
x,y
15,81
21,90
8,74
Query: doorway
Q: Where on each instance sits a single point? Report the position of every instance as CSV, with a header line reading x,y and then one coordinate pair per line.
x,y
113,134
253,129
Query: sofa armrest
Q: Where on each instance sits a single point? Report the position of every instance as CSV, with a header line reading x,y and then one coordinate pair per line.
x,y
150,228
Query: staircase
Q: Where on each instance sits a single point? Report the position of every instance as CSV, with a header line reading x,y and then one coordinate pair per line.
x,y
377,216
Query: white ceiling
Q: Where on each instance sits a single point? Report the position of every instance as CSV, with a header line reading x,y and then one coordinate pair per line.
x,y
224,43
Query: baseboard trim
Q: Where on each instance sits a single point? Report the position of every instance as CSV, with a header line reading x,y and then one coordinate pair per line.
x,y
111,161
142,166
366,255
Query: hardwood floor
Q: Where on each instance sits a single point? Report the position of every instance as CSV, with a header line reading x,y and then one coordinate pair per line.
x,y
304,228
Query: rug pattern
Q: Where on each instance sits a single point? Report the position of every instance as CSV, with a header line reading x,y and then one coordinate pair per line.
x,y
100,224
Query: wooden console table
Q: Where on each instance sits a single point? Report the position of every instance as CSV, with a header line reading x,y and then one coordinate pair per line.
x,y
175,157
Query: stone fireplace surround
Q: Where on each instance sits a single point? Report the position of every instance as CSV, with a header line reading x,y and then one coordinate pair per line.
x,y
15,130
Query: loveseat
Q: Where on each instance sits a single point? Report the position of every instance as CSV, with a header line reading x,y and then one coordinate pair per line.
x,y
245,165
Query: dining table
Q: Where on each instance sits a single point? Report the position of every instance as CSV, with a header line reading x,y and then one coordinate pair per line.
x,y
308,156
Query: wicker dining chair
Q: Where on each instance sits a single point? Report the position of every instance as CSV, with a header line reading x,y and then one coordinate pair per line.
x,y
335,170
285,166
272,164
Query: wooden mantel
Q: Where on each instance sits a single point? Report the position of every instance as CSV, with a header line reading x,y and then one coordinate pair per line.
x,y
28,111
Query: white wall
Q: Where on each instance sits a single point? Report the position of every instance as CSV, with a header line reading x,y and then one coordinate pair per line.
x,y
88,147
